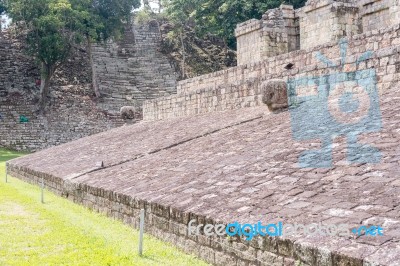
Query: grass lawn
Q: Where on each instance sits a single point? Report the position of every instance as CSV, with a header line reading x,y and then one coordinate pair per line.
x,y
60,232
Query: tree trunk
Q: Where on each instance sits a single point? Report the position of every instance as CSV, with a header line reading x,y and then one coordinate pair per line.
x,y
183,55
226,51
95,86
47,73
160,6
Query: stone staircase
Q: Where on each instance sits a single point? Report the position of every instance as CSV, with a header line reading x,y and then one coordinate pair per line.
x,y
133,70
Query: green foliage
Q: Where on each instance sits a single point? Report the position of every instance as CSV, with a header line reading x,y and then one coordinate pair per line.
x,y
179,11
53,27
60,232
299,263
3,7
142,16
102,19
220,17
48,32
69,21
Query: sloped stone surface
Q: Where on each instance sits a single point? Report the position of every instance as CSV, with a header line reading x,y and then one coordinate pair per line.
x,y
129,142
231,166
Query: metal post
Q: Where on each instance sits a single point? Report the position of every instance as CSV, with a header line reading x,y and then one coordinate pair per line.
x,y
42,195
6,175
141,228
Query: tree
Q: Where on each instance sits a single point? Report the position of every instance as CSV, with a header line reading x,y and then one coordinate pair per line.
x,y
49,35
3,6
181,12
146,4
53,27
3,9
100,20
220,17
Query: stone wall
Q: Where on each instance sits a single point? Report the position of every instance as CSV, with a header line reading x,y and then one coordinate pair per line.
x,y
292,27
249,41
72,111
326,21
211,99
284,29
240,165
240,86
128,72
378,14
170,224
70,116
276,33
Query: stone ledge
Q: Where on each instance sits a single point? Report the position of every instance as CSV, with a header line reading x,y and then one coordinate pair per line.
x,y
373,9
313,5
248,27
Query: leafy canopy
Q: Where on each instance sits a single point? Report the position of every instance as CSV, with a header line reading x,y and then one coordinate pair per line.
x,y
220,17
53,27
3,6
48,27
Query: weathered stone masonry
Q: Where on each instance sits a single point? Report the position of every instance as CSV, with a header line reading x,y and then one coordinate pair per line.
x,y
170,225
214,153
276,33
133,70
71,114
221,167
284,29
128,72
239,87
268,49
70,118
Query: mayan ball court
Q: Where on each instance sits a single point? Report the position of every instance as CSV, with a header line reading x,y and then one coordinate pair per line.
x,y
291,156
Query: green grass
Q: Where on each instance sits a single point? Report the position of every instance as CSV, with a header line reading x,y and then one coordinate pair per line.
x,y
6,155
60,232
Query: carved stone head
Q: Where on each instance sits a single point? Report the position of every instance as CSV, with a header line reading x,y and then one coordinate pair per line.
x,y
128,112
274,94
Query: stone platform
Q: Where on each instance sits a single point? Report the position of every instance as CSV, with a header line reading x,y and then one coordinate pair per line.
x,y
237,165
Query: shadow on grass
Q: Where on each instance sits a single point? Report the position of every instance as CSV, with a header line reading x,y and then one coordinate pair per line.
x,y
151,258
6,155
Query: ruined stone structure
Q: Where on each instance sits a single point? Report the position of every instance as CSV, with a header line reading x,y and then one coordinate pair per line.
x,y
284,29
128,72
214,153
133,70
72,113
240,86
275,33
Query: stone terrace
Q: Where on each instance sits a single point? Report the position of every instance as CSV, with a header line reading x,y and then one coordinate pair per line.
x,y
214,153
237,165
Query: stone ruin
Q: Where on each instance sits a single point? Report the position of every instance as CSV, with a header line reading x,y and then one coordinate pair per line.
x,y
214,153
125,72
284,29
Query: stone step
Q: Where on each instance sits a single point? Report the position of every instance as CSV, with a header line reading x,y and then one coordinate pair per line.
x,y
133,68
